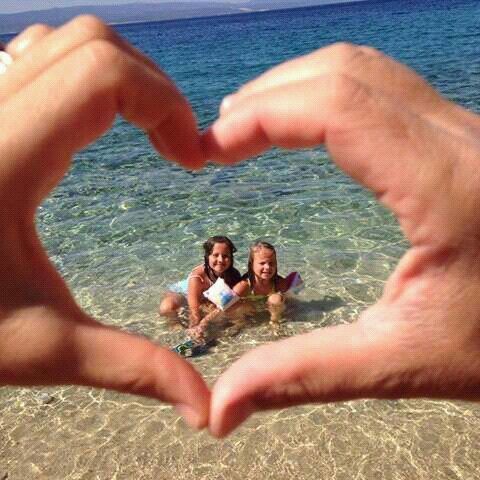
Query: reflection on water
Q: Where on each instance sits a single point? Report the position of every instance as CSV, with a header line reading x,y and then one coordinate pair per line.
x,y
345,246
79,433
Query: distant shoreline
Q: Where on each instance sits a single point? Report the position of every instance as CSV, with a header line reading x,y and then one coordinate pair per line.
x,y
179,19
145,13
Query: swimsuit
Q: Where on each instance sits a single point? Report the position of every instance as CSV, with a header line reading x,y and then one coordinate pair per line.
x,y
181,286
255,296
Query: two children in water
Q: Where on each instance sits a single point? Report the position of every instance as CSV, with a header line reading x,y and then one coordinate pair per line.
x,y
261,280
217,263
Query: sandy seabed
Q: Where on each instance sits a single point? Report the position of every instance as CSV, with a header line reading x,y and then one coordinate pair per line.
x,y
72,433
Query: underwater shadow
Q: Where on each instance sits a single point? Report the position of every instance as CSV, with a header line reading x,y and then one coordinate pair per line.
x,y
299,310
296,311
228,326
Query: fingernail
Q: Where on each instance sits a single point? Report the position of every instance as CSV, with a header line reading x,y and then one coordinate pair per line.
x,y
226,103
5,61
191,416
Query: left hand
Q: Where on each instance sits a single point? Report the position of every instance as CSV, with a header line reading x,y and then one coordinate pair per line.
x,y
62,91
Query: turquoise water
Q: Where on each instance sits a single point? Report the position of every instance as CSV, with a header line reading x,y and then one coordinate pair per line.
x,y
124,224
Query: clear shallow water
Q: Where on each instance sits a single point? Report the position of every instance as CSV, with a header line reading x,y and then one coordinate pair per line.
x,y
125,224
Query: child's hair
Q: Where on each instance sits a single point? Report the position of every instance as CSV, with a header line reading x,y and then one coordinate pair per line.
x,y
232,275
254,247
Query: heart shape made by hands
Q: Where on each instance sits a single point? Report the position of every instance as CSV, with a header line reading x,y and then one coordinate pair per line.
x,y
382,124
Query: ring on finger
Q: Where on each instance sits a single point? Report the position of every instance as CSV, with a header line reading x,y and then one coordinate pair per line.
x,y
5,60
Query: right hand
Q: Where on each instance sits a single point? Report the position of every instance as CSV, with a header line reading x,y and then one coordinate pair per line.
x,y
419,154
62,91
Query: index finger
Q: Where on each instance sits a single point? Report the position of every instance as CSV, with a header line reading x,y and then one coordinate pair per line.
x,y
75,100
39,47
373,69
364,64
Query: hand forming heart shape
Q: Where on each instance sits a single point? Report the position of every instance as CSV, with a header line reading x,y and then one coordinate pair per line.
x,y
382,124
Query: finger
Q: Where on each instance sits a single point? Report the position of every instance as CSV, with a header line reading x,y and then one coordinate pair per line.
x,y
301,114
126,363
61,42
267,119
87,107
332,364
79,351
322,62
364,64
377,141
377,71
25,40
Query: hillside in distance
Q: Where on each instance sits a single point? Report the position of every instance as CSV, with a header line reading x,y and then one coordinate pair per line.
x,y
146,12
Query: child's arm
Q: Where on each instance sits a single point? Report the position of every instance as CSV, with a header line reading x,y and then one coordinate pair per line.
x,y
209,318
276,301
194,298
197,330
242,288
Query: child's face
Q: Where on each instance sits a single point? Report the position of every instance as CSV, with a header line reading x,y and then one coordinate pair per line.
x,y
264,264
220,259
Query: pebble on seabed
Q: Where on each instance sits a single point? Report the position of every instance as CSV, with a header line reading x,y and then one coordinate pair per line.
x,y
45,399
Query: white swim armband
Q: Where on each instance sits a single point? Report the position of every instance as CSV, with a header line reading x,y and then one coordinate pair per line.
x,y
221,295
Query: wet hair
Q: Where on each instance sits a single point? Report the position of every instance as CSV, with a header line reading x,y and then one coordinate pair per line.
x,y
255,247
232,275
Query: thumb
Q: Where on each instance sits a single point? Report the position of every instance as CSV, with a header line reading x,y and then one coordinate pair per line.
x,y
116,360
332,364
44,346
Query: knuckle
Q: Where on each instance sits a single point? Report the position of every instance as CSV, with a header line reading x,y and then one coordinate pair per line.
x,y
344,47
27,38
100,55
347,56
340,83
371,51
37,29
346,92
92,27
345,51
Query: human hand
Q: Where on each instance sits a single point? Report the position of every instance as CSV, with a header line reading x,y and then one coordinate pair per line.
x,y
62,91
197,333
388,129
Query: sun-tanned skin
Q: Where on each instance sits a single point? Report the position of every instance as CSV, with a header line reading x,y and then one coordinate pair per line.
x,y
381,123
419,153
62,91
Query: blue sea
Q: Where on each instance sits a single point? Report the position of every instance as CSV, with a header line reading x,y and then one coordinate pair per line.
x,y
124,224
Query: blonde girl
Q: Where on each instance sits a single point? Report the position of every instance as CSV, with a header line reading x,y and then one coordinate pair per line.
x,y
262,278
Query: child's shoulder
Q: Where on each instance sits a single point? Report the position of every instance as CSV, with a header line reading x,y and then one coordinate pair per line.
x,y
198,271
242,288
